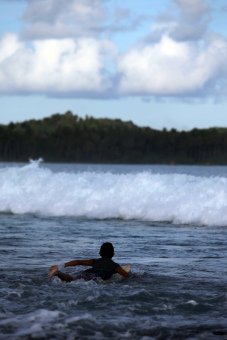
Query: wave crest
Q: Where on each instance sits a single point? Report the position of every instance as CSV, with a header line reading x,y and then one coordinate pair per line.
x,y
176,198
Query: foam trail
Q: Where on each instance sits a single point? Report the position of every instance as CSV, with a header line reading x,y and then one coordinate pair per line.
x,y
175,198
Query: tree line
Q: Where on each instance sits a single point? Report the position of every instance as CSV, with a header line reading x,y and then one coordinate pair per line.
x,y
69,138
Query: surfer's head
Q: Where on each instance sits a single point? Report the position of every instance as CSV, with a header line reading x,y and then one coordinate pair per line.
x,y
107,250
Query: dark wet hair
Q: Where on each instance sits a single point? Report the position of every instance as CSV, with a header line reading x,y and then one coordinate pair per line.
x,y
107,250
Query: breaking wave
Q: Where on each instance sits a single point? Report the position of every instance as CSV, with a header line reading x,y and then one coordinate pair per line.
x,y
175,198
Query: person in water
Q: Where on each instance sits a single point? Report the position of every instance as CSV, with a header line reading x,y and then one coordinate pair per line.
x,y
102,268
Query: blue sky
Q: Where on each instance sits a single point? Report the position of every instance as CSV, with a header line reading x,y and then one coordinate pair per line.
x,y
157,63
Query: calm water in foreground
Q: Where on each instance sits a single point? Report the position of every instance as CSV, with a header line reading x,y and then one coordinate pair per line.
x,y
168,223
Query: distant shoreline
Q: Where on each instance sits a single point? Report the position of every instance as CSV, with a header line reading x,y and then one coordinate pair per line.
x,y
67,138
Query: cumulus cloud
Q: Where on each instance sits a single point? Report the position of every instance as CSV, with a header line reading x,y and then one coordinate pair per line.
x,y
180,57
193,10
66,50
60,18
189,21
73,18
193,20
173,68
54,66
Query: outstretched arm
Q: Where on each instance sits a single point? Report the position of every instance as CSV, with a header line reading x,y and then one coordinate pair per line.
x,y
122,272
53,269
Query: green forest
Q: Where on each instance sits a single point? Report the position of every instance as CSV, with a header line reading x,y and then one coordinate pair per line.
x,y
70,139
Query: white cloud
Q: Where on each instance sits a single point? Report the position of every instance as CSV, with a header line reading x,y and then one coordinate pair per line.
x,y
47,19
54,66
193,19
9,45
189,21
173,68
193,10
66,55
60,18
52,10
178,58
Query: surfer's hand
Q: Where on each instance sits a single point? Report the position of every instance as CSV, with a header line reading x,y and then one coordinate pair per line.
x,y
52,270
53,267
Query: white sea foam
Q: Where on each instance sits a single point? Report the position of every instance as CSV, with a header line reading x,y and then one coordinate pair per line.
x,y
176,198
33,324
192,302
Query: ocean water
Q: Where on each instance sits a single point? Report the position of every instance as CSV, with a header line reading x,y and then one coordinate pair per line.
x,y
169,223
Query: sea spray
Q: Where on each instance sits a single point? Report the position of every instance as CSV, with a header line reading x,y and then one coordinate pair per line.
x,y
175,198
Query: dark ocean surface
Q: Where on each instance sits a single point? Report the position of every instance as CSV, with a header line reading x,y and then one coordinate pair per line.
x,y
169,223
